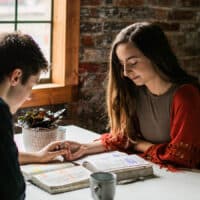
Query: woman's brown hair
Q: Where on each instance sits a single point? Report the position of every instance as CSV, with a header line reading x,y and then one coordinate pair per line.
x,y
121,91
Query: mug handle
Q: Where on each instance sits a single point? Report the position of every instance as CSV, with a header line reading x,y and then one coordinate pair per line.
x,y
97,191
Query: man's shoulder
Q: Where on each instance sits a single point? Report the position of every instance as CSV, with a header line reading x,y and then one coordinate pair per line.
x,y
5,115
3,107
2,103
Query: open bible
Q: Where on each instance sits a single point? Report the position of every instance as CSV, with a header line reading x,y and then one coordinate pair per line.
x,y
63,177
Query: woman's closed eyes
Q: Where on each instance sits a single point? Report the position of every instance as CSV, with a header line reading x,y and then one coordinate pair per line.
x,y
130,65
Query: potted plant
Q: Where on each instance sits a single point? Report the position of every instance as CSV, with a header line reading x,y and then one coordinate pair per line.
x,y
40,127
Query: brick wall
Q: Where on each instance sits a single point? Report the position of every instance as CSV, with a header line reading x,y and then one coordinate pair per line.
x,y
101,20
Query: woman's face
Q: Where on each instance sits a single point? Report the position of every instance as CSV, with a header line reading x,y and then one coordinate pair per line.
x,y
136,66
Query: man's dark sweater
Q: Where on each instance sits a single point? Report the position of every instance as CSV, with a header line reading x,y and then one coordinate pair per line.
x,y
12,185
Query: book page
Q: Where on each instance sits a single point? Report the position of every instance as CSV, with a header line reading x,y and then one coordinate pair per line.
x,y
115,163
101,156
62,177
31,169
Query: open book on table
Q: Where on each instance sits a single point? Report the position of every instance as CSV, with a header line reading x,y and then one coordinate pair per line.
x,y
63,177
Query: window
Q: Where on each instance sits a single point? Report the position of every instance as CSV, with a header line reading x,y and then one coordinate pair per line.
x,y
29,17
62,20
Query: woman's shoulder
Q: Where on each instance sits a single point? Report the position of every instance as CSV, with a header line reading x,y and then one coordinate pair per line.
x,y
187,93
187,89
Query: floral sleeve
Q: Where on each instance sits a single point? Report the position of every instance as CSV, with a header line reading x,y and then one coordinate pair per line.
x,y
114,143
120,142
184,148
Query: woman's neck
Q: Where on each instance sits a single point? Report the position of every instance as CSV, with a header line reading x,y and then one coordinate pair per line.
x,y
158,86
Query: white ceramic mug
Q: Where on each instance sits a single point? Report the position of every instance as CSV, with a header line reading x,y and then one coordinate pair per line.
x,y
103,185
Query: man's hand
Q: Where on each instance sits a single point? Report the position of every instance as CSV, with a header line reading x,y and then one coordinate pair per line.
x,y
52,150
46,154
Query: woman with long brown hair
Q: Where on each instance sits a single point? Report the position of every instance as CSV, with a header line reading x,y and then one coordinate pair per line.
x,y
153,104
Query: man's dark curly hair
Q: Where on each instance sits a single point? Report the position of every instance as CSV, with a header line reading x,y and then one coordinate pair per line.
x,y
20,51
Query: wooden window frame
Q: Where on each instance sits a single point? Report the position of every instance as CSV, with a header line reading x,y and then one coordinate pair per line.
x,y
65,57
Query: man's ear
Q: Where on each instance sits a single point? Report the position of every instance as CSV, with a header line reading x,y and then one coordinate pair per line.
x,y
15,77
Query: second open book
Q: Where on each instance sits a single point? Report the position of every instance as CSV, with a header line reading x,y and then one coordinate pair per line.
x,y
63,177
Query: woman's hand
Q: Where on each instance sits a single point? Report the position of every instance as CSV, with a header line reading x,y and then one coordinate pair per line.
x,y
142,145
46,154
77,150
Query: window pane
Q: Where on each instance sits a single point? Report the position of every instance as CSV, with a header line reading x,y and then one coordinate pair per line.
x,y
7,9
34,10
6,27
41,34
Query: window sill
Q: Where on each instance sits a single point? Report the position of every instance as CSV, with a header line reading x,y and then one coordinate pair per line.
x,y
65,57
49,94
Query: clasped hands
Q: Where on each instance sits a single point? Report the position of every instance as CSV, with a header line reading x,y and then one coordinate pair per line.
x,y
68,149
72,150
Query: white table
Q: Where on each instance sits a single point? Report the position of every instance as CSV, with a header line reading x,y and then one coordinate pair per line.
x,y
184,185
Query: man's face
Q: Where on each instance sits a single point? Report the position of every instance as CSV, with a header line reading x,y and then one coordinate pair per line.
x,y
20,93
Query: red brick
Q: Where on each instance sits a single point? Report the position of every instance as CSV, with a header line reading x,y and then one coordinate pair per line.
x,y
167,26
189,27
88,67
91,2
129,3
192,63
93,12
166,2
87,40
176,39
189,3
162,2
160,13
182,15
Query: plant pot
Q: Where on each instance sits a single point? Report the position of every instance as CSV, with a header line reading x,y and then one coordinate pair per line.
x,y
35,139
